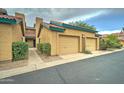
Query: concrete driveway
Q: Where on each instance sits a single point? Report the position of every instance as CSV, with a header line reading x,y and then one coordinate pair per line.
x,y
106,69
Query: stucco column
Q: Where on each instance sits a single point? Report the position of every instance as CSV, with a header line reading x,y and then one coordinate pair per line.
x,y
80,44
37,41
98,43
83,43
57,44
23,39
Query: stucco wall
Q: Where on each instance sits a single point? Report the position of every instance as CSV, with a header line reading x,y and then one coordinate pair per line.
x,y
8,34
30,43
53,38
122,42
53,41
39,22
5,42
17,33
22,16
77,32
45,35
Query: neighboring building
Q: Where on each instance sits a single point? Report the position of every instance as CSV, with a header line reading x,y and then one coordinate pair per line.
x,y
11,30
65,38
120,36
30,33
30,36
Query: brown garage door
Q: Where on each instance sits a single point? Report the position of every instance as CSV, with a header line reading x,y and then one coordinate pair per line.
x,y
68,44
91,44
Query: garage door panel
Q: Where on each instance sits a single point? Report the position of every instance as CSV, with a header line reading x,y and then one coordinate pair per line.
x,y
91,44
68,44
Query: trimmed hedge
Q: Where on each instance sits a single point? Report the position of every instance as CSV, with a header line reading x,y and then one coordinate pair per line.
x,y
19,50
44,48
103,44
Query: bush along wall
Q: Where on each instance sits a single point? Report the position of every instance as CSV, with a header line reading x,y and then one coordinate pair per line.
x,y
103,44
19,50
44,48
112,41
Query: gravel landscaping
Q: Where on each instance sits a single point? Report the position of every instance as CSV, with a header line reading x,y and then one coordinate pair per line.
x,y
6,65
48,58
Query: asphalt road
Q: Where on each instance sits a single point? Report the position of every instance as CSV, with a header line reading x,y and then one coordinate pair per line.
x,y
106,69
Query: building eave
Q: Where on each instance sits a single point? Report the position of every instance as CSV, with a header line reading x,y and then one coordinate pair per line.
x,y
78,28
72,27
56,29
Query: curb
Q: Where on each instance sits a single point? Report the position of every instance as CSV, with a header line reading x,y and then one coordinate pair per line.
x,y
64,61
34,67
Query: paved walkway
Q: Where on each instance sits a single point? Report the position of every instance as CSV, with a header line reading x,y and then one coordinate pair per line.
x,y
34,57
105,69
35,63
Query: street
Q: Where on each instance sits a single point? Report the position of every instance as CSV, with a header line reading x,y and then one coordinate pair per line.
x,y
105,69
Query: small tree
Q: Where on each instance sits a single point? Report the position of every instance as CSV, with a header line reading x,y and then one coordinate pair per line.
x,y
113,41
103,44
83,24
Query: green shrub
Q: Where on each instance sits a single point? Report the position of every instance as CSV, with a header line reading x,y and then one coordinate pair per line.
x,y
19,50
87,52
39,47
44,48
112,41
103,45
118,45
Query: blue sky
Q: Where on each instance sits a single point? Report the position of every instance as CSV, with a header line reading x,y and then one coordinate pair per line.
x,y
109,20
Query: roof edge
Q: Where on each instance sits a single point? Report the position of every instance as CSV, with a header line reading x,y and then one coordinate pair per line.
x,y
72,27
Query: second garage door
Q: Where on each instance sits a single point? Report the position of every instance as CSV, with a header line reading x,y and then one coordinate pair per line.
x,y
68,44
91,44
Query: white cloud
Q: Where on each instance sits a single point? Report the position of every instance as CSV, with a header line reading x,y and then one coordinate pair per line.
x,y
109,31
86,17
60,14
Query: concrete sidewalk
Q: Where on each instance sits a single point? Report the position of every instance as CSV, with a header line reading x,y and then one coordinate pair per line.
x,y
34,57
35,63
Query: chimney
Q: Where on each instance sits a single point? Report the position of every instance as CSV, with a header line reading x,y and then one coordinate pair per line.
x,y
38,24
22,17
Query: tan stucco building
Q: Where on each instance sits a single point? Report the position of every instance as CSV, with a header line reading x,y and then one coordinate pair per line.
x,y
65,38
120,36
11,30
30,37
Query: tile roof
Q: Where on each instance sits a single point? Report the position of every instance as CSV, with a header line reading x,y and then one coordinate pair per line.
x,y
9,19
64,25
53,27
